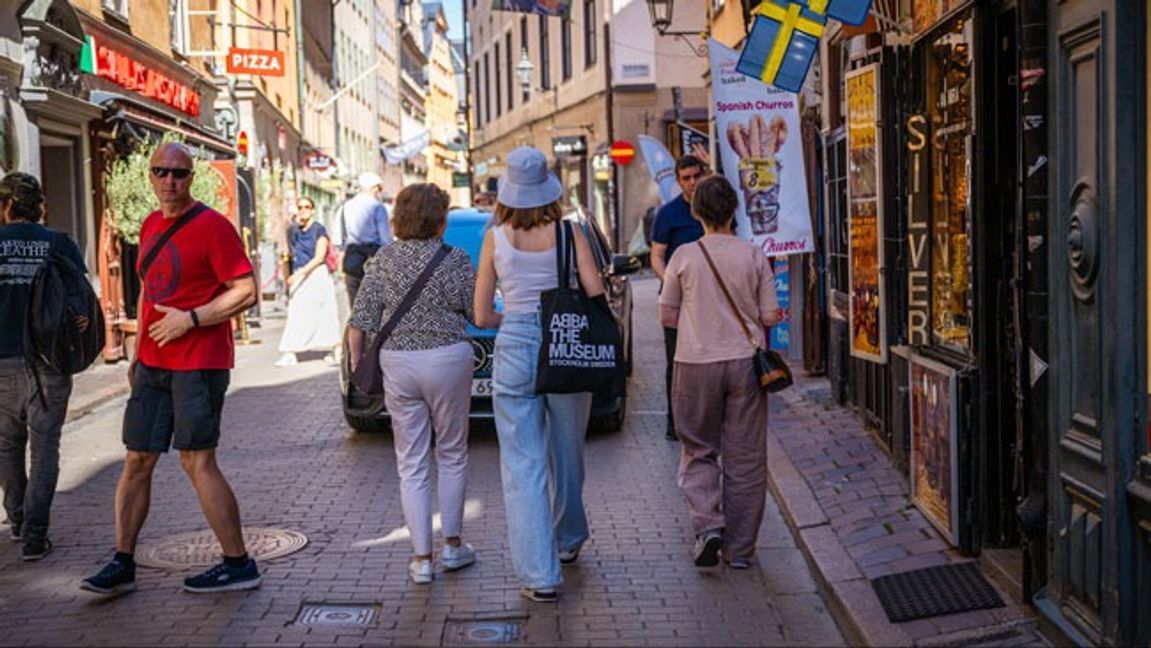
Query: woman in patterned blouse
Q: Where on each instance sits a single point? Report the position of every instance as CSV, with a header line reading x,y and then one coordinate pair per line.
x,y
427,365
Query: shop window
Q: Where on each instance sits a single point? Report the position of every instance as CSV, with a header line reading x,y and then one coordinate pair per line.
x,y
949,116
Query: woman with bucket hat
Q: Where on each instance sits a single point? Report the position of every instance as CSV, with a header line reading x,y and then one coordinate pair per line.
x,y
541,436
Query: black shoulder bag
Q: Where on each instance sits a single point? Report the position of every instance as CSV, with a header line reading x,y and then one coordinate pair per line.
x,y
166,236
368,378
582,349
770,368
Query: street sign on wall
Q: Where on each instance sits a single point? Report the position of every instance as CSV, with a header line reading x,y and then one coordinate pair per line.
x,y
569,145
255,61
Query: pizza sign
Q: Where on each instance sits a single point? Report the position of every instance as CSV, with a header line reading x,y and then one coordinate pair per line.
x,y
255,61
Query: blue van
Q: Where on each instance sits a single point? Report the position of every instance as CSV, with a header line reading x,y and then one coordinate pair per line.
x,y
466,229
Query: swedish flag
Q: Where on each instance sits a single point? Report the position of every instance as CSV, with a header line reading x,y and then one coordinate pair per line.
x,y
851,12
782,41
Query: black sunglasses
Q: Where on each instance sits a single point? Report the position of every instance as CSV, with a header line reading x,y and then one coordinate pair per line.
x,y
178,173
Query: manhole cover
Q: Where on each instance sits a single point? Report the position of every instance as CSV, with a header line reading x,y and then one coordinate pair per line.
x,y
487,631
320,614
200,548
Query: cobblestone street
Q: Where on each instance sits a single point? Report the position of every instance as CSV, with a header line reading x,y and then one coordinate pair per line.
x,y
295,465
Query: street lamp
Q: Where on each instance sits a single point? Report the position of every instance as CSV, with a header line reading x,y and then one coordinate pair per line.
x,y
524,70
660,11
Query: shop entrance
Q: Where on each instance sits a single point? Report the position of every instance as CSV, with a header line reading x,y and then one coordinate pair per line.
x,y
1096,208
63,185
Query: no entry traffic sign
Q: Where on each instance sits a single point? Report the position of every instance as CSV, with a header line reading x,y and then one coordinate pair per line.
x,y
622,152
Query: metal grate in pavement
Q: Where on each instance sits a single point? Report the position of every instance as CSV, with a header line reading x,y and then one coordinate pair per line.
x,y
343,614
201,549
935,591
479,632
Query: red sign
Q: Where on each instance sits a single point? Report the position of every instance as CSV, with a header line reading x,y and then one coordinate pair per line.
x,y
129,73
255,61
242,143
622,152
318,162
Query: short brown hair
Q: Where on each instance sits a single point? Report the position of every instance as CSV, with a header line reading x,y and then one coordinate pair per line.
x,y
714,202
529,217
26,195
420,211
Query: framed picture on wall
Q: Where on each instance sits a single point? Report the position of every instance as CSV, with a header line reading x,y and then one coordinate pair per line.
x,y
935,444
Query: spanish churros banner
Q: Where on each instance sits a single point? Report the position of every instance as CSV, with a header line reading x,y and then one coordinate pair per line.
x,y
757,132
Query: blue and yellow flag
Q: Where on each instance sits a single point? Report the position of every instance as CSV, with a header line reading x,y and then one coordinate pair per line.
x,y
850,12
782,41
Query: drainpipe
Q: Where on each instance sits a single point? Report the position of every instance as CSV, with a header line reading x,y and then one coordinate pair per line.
x,y
297,7
615,198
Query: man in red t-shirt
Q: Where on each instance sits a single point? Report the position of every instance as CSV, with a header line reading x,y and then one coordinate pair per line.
x,y
195,284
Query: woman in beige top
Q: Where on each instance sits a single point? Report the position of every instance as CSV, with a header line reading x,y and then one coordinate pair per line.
x,y
720,410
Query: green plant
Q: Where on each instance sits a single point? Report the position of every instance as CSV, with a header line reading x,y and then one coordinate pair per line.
x,y
129,193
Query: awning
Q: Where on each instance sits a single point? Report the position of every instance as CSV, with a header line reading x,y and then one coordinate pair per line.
x,y
129,109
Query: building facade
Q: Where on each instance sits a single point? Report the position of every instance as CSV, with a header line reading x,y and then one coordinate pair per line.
x,y
387,34
442,102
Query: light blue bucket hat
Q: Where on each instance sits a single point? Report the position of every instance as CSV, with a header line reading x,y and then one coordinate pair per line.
x,y
528,182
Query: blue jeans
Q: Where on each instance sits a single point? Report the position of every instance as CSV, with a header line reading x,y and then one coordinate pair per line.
x,y
24,422
541,446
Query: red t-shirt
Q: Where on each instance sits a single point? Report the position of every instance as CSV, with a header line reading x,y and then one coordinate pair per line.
x,y
189,272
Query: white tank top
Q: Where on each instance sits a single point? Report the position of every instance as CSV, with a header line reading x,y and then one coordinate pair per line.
x,y
523,275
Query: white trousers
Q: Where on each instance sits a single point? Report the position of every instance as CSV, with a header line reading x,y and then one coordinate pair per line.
x,y
313,321
426,391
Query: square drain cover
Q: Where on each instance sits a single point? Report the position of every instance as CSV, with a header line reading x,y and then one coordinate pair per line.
x,y
483,631
347,614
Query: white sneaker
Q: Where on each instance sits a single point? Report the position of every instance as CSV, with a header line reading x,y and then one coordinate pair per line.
x,y
286,360
420,571
459,557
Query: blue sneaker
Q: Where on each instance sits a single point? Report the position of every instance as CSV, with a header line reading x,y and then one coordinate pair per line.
x,y
115,578
225,578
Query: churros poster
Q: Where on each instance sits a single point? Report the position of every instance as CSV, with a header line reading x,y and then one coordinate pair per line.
x,y
757,130
865,217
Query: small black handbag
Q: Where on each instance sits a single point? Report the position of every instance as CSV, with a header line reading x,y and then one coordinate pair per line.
x,y
582,349
770,368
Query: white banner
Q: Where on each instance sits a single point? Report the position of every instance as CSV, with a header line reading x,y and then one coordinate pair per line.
x,y
409,148
757,128
661,165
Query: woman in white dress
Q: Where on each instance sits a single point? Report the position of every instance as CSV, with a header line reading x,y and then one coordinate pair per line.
x,y
313,319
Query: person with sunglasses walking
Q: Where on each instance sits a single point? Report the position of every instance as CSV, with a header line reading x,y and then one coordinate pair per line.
x,y
313,321
195,277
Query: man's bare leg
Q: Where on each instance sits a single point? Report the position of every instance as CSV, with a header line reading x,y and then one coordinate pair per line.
x,y
133,498
216,499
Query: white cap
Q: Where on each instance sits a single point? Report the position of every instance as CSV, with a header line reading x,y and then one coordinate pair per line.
x,y
369,180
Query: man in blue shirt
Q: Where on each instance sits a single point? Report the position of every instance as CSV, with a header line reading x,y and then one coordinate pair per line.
x,y
360,229
26,418
674,226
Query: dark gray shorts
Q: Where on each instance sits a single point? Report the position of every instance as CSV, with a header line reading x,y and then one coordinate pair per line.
x,y
180,409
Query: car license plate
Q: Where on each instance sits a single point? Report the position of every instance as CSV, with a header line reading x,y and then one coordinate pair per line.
x,y
481,387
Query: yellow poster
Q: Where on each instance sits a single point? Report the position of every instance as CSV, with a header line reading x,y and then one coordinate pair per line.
x,y
865,217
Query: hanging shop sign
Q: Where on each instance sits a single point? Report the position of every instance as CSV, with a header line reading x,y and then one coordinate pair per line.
x,y
758,139
935,444
409,148
865,217
569,145
259,62
126,72
322,163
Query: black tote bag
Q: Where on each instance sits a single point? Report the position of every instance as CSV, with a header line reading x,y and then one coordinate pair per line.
x,y
582,348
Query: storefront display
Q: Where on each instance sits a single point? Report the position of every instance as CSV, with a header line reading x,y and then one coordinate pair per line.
x,y
865,217
950,82
934,444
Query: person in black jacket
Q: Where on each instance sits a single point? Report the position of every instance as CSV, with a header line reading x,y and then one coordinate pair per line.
x,y
28,416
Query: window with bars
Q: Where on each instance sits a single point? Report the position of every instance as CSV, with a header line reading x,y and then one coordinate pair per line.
x,y
511,70
590,44
119,7
499,90
545,55
178,25
566,48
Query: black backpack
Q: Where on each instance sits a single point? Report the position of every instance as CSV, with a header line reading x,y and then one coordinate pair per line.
x,y
60,293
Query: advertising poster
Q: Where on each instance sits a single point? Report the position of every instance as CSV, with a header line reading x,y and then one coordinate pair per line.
x,y
865,217
934,445
546,7
779,333
757,133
